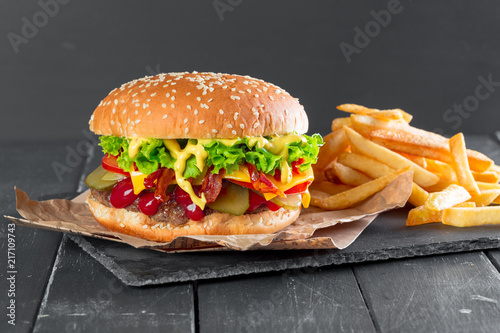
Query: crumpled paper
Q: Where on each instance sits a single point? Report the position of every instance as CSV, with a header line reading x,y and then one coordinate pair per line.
x,y
314,229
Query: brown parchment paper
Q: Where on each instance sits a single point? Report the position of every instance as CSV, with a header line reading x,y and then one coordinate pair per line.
x,y
314,229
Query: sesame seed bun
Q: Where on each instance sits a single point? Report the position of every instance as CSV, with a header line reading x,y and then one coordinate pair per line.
x,y
199,106
139,225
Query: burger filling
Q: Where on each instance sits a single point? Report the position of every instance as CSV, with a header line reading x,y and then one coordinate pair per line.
x,y
188,179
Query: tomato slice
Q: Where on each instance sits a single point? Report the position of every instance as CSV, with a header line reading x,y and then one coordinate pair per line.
x,y
257,200
244,184
109,163
300,188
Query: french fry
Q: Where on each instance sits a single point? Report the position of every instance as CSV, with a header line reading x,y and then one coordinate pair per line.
x,y
318,195
487,176
338,123
329,187
485,198
487,186
355,195
387,115
364,125
350,176
359,109
422,215
421,176
469,217
419,160
335,143
376,169
447,198
402,140
461,164
495,168
331,176
445,171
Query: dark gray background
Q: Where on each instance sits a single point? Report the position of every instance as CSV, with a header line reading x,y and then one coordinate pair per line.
x,y
427,59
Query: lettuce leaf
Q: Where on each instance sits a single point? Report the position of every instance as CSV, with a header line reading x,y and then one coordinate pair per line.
x,y
154,154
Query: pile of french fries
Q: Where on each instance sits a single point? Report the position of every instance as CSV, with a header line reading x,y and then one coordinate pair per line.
x,y
369,149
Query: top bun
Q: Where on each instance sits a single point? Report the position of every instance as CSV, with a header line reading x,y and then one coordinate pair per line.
x,y
200,106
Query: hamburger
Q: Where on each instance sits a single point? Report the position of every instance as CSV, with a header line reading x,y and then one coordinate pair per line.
x,y
200,154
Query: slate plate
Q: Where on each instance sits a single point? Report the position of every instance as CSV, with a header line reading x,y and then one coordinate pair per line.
x,y
385,238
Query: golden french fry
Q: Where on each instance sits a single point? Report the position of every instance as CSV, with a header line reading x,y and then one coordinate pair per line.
x,y
387,115
443,170
469,217
422,215
329,187
359,109
461,164
338,123
415,159
402,140
447,198
487,186
376,169
318,195
331,176
335,143
487,176
355,195
350,176
495,168
421,176
365,124
485,198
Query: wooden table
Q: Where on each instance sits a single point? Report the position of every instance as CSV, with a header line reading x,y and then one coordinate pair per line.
x,y
60,288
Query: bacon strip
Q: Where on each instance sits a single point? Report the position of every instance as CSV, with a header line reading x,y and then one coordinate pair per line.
x,y
261,183
212,185
166,177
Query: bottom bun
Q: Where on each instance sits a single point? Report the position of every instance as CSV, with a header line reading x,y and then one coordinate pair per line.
x,y
139,225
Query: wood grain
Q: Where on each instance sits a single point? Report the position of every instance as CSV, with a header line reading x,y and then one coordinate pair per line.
x,y
306,300
447,293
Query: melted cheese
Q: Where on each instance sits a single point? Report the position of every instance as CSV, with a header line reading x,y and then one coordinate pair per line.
x,y
276,145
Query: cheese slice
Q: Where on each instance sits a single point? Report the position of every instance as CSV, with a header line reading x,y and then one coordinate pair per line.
x,y
138,181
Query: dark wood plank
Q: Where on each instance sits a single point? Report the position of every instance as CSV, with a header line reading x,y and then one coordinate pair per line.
x,y
494,256
319,300
82,296
448,293
29,166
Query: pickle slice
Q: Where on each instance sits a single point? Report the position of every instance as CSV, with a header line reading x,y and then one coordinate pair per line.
x,y
234,199
292,201
94,180
113,176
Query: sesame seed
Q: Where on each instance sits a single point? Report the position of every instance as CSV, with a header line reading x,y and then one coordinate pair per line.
x,y
201,121
271,98
198,99
173,98
136,112
137,104
164,105
256,95
215,131
185,120
143,90
224,87
234,132
242,126
149,112
116,102
235,97
145,105
112,122
229,126
241,91
137,121
233,89
235,115
211,99
122,225
164,116
196,111
167,94
188,93
145,226
189,107
124,111
174,91
113,111
286,112
283,97
153,94
186,130
134,94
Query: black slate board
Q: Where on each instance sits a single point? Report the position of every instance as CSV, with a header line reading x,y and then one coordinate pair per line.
x,y
386,238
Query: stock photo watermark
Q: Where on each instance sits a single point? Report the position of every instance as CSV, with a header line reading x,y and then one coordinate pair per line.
x,y
372,29
221,7
455,115
11,274
31,26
